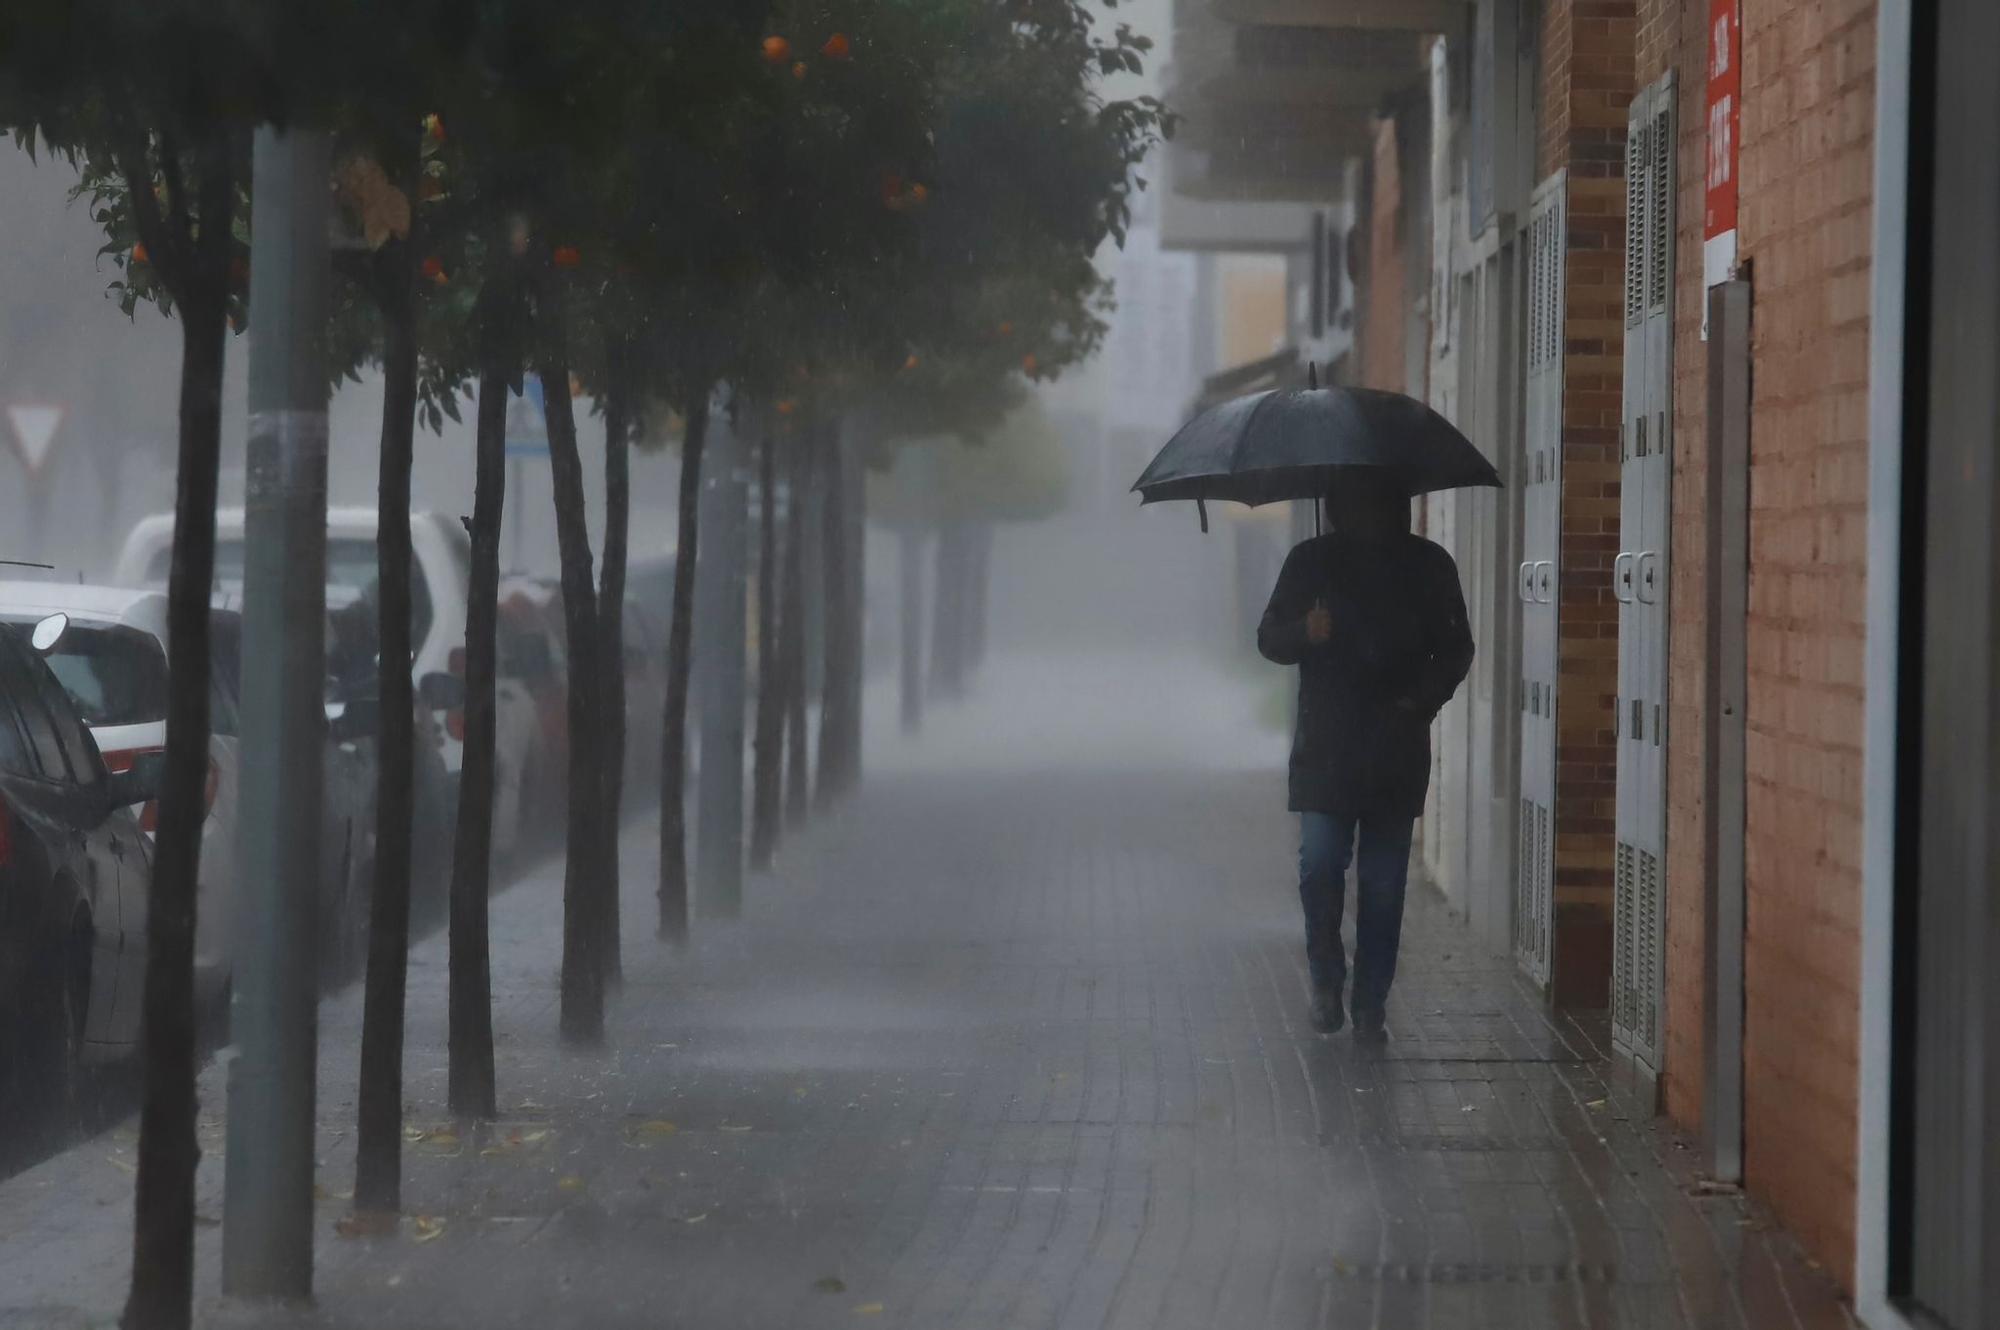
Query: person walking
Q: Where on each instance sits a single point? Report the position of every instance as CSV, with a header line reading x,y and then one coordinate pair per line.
x,y
1374,619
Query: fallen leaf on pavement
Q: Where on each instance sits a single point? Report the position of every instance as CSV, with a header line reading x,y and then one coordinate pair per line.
x,y
365,1224
869,1309
657,1127
696,1219
734,1126
425,1228
830,1284
570,1183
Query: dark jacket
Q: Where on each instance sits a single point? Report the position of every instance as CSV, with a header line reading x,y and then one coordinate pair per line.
x,y
1399,650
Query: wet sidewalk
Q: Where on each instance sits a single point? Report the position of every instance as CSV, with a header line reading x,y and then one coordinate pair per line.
x,y
1015,1039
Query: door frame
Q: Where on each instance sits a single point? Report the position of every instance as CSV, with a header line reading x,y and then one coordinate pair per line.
x,y
1906,134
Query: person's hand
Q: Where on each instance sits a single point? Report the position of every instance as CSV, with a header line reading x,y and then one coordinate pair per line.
x,y
1319,625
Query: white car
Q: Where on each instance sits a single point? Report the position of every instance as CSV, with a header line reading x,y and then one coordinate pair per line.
x,y
112,661
441,555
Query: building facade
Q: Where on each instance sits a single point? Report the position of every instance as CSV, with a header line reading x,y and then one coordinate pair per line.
x,y
1712,284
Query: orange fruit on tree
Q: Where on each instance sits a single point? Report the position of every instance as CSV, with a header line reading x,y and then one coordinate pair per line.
x,y
787,406
434,128
433,268
1029,364
1006,330
918,194
799,70
139,254
777,50
837,47
911,363
567,256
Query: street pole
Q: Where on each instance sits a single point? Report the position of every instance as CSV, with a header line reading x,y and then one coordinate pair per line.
x,y
722,567
267,1231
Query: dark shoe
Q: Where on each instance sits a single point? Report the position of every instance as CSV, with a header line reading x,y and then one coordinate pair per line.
x,y
1328,1015
1370,1028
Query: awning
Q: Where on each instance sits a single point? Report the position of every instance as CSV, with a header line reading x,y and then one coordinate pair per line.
x,y
1446,16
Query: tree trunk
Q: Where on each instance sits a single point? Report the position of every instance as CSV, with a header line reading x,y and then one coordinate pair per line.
x,y
611,651
470,1079
855,520
948,617
910,552
792,630
378,1164
680,644
840,721
979,580
583,963
162,1288
767,747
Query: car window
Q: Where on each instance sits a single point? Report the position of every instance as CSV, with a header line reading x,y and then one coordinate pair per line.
x,y
113,675
16,754
352,565
39,727
79,749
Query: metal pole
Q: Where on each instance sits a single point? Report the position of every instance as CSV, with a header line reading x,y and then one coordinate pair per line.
x,y
268,1216
515,484
1724,725
722,565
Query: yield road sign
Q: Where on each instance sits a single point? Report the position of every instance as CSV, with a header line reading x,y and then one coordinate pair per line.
x,y
34,431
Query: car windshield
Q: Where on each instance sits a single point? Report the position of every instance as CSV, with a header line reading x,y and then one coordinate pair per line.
x,y
350,567
116,676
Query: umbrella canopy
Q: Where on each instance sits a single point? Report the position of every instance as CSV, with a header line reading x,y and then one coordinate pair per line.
x,y
1292,443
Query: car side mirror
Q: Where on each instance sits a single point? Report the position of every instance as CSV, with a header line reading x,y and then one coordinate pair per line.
x,y
47,632
359,718
138,784
442,692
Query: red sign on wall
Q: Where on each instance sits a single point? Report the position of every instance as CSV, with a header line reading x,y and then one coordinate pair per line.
x,y
1725,102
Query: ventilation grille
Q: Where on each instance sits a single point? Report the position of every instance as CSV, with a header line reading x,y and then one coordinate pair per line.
x,y
1645,1015
1545,877
1552,320
1661,187
1637,220
1524,891
1624,909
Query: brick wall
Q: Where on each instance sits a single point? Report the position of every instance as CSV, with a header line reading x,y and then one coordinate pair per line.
x,y
1587,84
1806,164
1384,336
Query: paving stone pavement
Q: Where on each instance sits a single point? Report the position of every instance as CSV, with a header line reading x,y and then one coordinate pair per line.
x,y
998,1045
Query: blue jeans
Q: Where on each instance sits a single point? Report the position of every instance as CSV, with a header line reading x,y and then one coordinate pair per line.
x,y
1326,847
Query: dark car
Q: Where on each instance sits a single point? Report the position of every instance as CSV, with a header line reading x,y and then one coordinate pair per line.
x,y
75,876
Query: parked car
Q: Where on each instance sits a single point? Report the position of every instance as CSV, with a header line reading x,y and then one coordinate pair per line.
x,y
112,662
534,657
645,691
442,571
75,877
534,648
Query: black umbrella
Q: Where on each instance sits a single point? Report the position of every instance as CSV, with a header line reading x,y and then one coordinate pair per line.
x,y
1293,444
